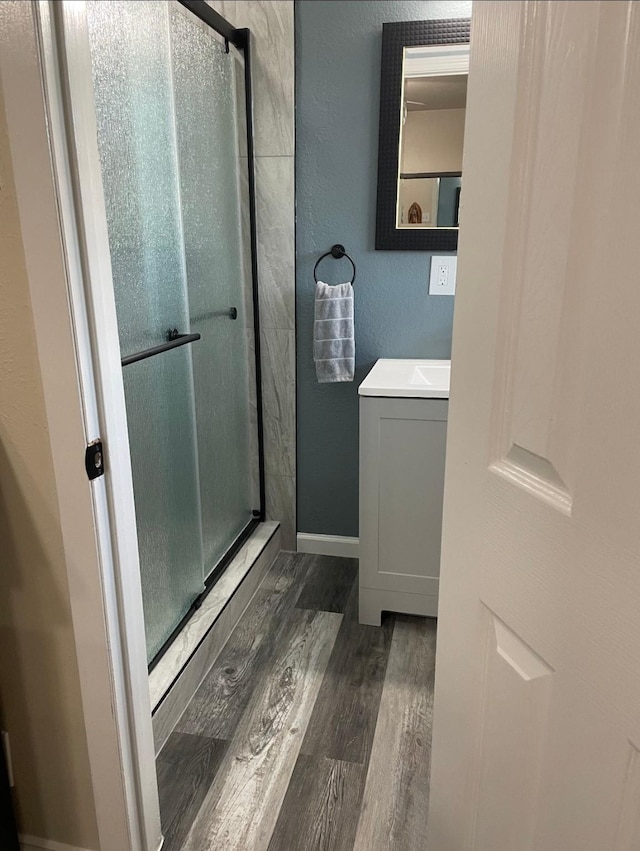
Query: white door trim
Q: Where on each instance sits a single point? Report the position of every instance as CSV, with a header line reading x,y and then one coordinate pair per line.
x,y
93,304
328,545
74,319
98,348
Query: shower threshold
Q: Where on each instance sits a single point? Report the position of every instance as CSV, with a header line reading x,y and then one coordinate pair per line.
x,y
175,678
211,580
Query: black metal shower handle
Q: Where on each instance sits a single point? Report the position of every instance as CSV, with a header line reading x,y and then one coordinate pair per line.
x,y
230,312
174,341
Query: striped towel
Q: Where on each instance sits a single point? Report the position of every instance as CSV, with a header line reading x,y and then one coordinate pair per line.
x,y
334,347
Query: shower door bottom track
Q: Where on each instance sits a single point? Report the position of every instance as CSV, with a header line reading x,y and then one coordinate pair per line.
x,y
210,581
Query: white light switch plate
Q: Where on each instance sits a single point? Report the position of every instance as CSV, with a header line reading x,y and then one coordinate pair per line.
x,y
442,280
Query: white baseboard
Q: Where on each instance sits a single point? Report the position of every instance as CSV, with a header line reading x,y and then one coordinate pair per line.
x,y
328,545
34,843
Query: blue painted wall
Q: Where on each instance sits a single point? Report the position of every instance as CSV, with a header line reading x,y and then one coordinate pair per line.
x,y
338,46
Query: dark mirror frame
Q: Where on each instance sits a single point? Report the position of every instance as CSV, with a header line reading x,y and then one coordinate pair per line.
x,y
395,37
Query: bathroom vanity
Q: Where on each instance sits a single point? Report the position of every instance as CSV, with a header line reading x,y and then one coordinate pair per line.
x,y
403,430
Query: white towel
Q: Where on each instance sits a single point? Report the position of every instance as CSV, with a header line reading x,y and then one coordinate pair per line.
x,y
334,347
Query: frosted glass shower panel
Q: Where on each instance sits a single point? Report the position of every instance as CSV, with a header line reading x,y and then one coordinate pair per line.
x,y
165,481
206,93
133,94
130,58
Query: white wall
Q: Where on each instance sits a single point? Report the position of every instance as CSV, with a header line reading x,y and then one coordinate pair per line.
x,y
432,140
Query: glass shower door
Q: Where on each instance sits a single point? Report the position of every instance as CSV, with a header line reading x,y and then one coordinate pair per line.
x,y
209,109
169,123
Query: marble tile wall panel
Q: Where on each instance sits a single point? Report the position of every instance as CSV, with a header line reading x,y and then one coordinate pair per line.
x,y
226,8
278,401
276,247
271,25
281,502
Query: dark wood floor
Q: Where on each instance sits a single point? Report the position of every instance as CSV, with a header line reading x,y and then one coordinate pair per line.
x,y
311,731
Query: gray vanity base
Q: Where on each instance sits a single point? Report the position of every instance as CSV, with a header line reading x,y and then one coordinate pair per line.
x,y
402,453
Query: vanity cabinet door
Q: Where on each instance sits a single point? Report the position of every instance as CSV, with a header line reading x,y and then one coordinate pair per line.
x,y
402,454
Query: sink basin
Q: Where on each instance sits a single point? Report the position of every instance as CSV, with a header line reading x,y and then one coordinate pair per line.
x,y
427,379
433,375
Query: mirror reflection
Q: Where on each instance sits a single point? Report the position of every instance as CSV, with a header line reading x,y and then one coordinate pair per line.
x,y
434,97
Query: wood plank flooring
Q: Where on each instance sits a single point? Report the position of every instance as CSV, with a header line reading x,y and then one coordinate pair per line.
x,y
394,807
310,731
344,717
188,765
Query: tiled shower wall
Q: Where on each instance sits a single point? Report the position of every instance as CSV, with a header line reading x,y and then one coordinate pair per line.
x,y
271,25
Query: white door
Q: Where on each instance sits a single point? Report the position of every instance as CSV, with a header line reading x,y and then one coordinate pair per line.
x,y
537,701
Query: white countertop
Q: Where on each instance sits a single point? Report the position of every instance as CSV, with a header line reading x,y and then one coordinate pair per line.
x,y
408,378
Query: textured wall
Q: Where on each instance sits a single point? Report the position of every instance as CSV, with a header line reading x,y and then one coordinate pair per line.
x,y
271,25
338,47
40,701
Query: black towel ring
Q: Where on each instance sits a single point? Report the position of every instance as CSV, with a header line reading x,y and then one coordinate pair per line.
x,y
337,251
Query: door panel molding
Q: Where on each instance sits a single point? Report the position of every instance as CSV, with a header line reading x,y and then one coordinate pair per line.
x,y
516,688
538,401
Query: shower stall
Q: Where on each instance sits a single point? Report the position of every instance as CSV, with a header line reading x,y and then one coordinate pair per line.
x,y
171,89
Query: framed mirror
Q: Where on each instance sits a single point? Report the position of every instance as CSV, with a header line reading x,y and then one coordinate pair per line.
x,y
423,92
